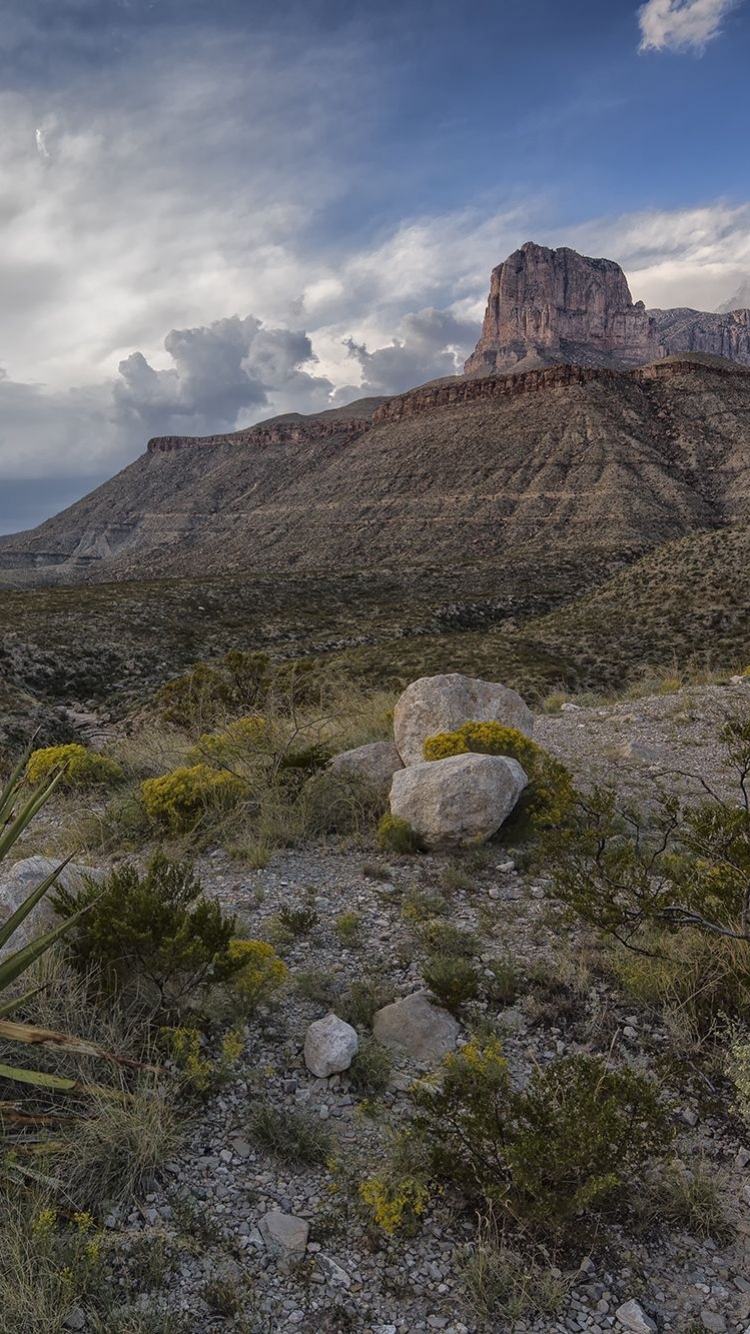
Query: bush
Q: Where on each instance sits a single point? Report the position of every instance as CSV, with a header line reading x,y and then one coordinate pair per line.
x,y
549,794
295,1136
82,767
397,835
260,975
566,1143
180,801
223,749
454,981
372,1067
154,929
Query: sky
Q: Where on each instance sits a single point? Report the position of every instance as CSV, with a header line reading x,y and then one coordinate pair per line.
x,y
215,211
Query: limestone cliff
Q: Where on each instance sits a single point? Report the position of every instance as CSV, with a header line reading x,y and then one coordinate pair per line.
x,y
548,306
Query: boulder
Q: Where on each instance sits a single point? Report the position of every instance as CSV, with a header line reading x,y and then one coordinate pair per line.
x,y
18,881
330,1046
442,703
284,1235
459,800
374,765
416,1027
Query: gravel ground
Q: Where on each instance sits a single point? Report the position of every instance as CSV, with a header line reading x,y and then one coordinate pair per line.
x,y
208,1205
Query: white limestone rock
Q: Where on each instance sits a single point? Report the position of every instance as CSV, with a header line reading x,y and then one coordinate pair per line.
x,y
460,800
330,1046
442,703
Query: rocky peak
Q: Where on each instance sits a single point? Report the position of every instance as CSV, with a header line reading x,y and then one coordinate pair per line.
x,y
549,306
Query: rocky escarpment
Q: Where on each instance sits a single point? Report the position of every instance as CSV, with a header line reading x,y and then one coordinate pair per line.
x,y
548,306
301,431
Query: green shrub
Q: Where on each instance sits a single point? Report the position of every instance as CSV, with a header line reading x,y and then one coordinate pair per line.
x,y
336,803
236,742
549,794
566,1143
454,981
371,1068
349,929
81,767
298,921
180,801
397,835
295,1136
155,930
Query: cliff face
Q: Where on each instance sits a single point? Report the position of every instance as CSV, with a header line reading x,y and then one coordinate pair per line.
x,y
550,306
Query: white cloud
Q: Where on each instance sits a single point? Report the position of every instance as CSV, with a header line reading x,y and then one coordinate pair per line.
x,y
677,25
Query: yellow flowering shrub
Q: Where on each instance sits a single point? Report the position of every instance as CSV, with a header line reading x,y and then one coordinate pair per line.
x,y
236,742
262,974
199,1071
395,1203
549,794
180,800
83,768
397,835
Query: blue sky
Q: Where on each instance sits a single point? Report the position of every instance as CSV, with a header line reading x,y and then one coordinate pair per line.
x,y
210,214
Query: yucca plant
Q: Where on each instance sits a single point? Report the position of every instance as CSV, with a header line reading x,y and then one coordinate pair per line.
x,y
17,809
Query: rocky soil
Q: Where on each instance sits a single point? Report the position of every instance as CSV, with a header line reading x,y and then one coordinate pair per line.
x,y
208,1216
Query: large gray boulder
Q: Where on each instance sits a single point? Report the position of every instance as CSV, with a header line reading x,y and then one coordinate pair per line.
x,y
18,881
442,703
373,765
414,1027
463,799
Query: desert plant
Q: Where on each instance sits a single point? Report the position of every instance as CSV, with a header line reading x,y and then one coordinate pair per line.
x,y
78,767
259,977
153,930
566,1143
504,1283
183,800
453,980
372,1067
397,835
549,794
349,929
292,1134
47,1265
298,921
684,866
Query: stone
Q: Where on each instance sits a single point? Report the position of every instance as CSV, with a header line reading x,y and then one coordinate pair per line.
x,y
713,1321
335,1275
457,801
16,884
374,765
556,305
442,703
414,1026
632,1315
551,306
76,1319
330,1046
284,1235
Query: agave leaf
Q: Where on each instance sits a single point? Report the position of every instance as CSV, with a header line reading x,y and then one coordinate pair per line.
x,y
12,1005
16,824
20,915
12,1114
58,1083
45,1037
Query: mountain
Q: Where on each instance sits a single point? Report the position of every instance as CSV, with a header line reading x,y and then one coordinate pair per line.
x,y
549,306
496,468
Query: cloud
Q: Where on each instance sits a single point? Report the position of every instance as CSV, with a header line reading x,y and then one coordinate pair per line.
x,y
677,25
431,344
222,376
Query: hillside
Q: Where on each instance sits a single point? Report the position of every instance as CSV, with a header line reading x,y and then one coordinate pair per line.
x,y
497,469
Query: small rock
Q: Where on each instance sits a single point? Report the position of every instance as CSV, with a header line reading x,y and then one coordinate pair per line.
x,y
713,1321
76,1319
284,1234
330,1046
336,1276
632,1315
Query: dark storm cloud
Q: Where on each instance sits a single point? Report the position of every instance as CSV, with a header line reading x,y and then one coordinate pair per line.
x,y
431,344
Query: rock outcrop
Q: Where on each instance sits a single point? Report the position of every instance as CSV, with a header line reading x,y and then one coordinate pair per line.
x,y
459,801
442,703
558,306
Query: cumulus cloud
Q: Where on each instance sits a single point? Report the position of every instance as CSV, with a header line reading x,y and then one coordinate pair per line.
x,y
678,25
222,375
431,344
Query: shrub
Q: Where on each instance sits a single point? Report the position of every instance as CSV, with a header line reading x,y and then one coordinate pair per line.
x,y
180,801
111,1155
371,1068
565,1143
549,794
295,1136
81,767
260,976
349,929
223,749
397,835
298,921
338,803
154,929
454,981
